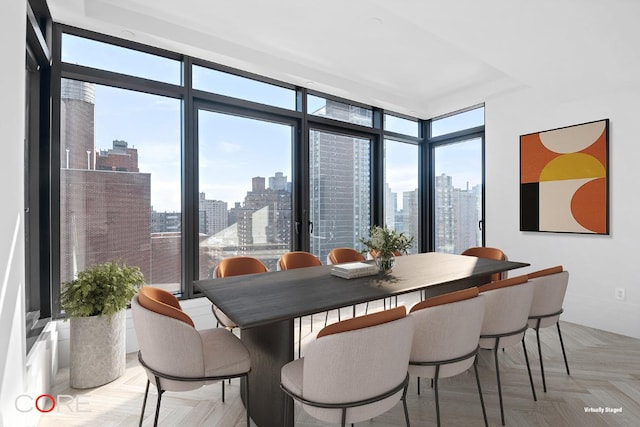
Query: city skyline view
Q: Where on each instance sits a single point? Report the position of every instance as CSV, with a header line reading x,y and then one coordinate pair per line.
x,y
122,150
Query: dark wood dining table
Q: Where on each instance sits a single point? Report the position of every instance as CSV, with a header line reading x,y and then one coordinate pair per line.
x,y
264,306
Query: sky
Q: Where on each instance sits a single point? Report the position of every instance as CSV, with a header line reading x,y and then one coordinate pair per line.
x,y
232,149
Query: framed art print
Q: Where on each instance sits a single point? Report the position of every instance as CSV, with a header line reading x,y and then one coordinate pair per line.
x,y
564,179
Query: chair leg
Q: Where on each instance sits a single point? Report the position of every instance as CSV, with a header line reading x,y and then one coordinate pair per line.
x,y
344,417
222,391
404,403
544,382
495,356
326,317
435,382
311,317
299,336
526,358
484,410
366,308
287,401
246,398
144,402
566,364
160,391
418,386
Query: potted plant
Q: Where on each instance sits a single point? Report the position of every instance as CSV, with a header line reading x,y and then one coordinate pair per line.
x,y
384,244
95,302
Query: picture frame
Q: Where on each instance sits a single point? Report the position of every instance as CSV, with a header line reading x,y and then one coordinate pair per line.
x,y
564,179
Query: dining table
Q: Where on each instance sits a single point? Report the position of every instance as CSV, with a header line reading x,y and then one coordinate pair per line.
x,y
264,306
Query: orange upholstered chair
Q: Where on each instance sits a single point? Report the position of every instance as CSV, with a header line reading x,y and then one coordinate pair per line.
x,y
298,259
176,356
490,253
235,266
339,256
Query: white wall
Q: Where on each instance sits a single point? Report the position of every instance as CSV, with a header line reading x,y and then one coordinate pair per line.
x,y
597,264
12,329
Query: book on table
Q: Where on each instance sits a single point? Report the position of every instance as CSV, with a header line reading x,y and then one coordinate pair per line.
x,y
352,270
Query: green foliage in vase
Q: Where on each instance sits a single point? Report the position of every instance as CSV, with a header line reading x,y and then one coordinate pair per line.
x,y
102,289
385,241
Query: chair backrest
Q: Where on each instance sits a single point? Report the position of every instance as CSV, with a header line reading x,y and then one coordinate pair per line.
x,y
549,288
507,306
341,255
167,344
239,265
490,253
446,327
297,259
357,359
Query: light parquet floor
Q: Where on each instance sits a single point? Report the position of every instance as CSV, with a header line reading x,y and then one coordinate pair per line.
x,y
605,374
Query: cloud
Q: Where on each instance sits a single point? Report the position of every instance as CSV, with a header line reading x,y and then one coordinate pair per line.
x,y
229,147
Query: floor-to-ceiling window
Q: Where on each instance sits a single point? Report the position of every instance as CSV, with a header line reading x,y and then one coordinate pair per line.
x,y
172,163
457,157
340,175
120,181
244,187
401,177
339,190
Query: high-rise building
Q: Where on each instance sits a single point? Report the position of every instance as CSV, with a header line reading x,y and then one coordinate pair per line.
x,y
410,219
265,217
457,215
390,207
215,213
444,212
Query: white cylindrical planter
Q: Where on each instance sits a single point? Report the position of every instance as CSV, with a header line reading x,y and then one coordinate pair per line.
x,y
98,352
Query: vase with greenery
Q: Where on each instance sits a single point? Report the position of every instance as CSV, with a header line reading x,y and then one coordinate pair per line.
x,y
384,244
95,302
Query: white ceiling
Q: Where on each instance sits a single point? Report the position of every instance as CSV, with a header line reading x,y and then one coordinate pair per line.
x,y
419,57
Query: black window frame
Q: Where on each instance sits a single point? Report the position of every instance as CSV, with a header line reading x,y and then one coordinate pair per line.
x,y
192,101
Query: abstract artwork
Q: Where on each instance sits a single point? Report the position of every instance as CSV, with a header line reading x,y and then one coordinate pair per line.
x,y
564,176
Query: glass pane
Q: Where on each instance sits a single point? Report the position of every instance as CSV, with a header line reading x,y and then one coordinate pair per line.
x,y
398,124
245,189
104,56
340,191
401,189
120,181
458,196
318,106
244,88
457,122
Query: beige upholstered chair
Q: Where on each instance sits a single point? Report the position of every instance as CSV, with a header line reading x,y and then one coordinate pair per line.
x,y
235,266
339,256
176,356
298,259
549,288
445,338
506,320
355,370
490,253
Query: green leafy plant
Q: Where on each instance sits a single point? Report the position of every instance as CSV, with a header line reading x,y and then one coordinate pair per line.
x,y
102,289
385,242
